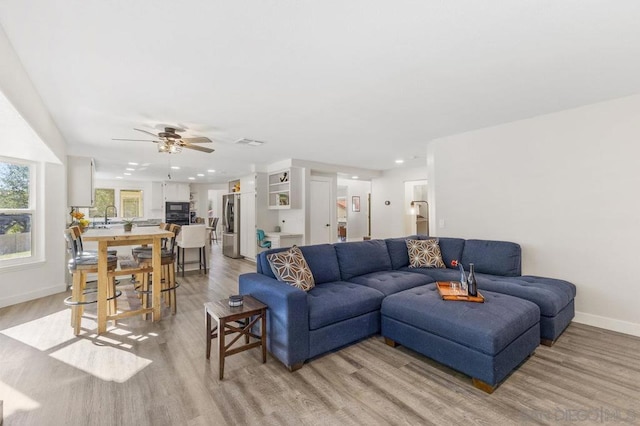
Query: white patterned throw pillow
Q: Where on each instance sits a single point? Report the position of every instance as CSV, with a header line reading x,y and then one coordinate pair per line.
x,y
424,254
291,267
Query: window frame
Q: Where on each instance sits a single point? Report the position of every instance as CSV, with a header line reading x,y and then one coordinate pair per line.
x,y
33,210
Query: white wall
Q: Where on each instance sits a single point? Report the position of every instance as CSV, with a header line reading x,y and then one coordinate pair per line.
x,y
47,276
564,186
392,220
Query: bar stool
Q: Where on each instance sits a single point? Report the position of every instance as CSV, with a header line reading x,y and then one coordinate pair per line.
x,y
81,264
168,275
193,236
213,224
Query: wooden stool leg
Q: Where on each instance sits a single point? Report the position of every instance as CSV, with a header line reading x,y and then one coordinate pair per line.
x,y
144,291
76,296
221,333
208,330
113,303
172,283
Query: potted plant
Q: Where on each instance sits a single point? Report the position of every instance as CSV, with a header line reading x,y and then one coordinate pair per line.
x,y
128,224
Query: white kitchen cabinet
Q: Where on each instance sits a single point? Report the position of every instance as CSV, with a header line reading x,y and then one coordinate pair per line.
x,y
174,191
80,181
157,196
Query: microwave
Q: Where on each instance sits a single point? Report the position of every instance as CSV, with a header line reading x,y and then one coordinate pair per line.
x,y
175,207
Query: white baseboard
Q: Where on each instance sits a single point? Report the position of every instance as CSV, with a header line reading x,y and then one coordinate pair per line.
x,y
607,323
25,297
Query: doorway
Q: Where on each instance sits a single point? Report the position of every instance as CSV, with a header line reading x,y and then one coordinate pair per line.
x,y
321,214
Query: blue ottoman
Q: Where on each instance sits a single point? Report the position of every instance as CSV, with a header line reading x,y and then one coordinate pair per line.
x,y
483,340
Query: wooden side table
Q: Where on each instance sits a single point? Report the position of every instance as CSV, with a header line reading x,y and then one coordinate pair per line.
x,y
237,319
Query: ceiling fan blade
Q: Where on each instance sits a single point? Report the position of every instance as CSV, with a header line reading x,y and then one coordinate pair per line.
x,y
198,148
149,133
197,140
134,140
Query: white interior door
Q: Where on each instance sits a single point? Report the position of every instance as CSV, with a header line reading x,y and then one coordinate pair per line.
x,y
320,216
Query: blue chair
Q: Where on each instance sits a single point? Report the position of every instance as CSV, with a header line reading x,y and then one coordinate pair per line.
x,y
261,241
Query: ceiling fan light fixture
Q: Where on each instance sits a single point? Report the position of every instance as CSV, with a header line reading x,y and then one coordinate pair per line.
x,y
174,148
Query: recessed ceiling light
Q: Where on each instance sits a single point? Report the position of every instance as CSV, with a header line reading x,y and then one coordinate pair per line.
x,y
354,177
131,169
200,174
175,167
192,178
400,161
211,171
127,174
118,177
133,164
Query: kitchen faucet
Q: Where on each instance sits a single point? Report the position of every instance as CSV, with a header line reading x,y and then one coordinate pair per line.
x,y
115,213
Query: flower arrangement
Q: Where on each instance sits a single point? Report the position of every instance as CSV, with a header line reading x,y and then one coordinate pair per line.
x,y
463,278
78,219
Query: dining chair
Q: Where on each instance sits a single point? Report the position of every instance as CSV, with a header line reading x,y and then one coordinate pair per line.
x,y
168,275
213,224
192,236
80,264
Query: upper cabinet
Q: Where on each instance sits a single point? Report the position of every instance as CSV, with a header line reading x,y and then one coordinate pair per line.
x,y
174,191
284,189
80,181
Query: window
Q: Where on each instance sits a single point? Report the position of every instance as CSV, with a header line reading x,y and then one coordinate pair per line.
x,y
17,210
104,197
131,203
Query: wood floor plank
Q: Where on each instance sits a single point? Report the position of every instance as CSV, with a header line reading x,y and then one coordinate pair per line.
x,y
147,373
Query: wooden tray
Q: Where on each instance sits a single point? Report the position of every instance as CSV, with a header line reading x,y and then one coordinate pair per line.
x,y
444,288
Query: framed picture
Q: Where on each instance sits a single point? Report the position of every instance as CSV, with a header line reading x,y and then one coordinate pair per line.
x,y
355,204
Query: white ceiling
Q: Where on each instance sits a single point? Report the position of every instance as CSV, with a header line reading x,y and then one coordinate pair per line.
x,y
354,83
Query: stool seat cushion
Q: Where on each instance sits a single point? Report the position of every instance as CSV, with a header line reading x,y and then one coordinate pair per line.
x,y
146,255
91,261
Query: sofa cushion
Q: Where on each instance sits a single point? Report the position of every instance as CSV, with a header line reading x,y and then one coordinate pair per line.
x,y
333,302
397,248
291,267
321,259
389,282
551,297
424,254
436,274
451,248
492,257
362,257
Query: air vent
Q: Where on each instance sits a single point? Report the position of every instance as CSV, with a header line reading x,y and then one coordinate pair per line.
x,y
250,142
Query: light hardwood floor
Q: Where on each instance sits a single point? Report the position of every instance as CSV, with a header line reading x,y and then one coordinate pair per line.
x,y
144,373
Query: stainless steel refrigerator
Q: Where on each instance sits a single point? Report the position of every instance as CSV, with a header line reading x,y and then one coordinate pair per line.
x,y
231,226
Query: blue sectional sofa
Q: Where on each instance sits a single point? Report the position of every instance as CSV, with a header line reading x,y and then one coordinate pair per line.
x,y
352,280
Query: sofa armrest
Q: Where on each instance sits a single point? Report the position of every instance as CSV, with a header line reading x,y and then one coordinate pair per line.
x,y
287,316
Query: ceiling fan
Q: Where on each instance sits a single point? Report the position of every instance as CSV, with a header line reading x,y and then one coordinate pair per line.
x,y
171,142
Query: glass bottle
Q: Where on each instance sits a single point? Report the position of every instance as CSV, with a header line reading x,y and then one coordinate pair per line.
x,y
472,287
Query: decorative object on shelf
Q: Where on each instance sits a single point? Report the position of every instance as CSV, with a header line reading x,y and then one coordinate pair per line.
x,y
235,300
78,219
236,187
128,224
283,199
284,177
463,278
472,286
355,203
